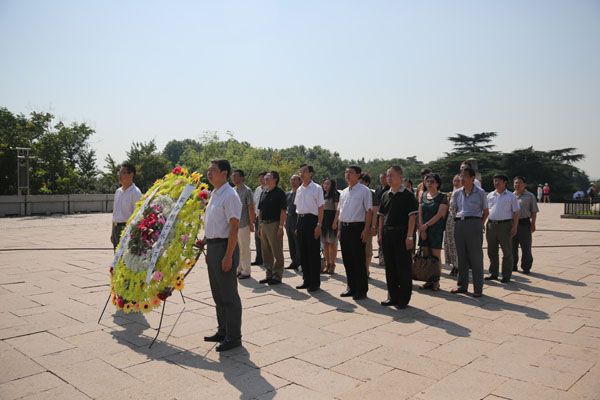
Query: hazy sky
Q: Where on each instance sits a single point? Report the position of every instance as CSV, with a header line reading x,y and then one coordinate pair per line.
x,y
364,78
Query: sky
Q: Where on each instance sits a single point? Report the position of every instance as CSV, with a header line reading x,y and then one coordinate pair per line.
x,y
376,79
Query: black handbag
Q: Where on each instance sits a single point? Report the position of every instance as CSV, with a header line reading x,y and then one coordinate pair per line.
x,y
425,268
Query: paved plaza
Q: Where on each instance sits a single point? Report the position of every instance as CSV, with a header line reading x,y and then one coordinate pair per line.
x,y
537,337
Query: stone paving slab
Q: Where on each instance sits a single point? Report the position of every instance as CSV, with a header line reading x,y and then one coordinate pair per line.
x,y
537,337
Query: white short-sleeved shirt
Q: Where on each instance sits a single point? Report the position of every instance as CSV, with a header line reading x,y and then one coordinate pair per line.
x,y
257,193
309,198
224,204
124,204
502,205
355,202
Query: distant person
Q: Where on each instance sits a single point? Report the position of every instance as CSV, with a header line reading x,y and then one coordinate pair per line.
x,y
465,164
291,221
124,202
546,193
407,184
246,225
528,210
540,193
449,244
378,193
272,207
257,193
421,186
501,228
221,222
365,179
309,206
591,192
330,223
471,205
397,214
356,203
432,213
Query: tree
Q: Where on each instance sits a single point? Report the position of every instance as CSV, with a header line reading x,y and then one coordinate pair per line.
x,y
478,143
175,149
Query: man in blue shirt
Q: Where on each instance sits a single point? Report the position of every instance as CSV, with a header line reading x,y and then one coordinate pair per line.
x,y
471,204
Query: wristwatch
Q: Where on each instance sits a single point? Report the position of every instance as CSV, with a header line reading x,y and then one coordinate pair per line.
x,y
410,238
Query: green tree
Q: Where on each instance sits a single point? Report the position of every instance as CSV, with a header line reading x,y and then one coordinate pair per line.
x,y
175,149
477,143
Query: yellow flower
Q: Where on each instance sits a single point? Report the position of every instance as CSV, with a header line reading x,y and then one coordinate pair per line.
x,y
127,308
203,186
178,285
145,306
114,299
195,177
184,172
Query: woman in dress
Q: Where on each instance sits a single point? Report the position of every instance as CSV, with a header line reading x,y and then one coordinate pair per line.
x,y
330,221
432,211
449,244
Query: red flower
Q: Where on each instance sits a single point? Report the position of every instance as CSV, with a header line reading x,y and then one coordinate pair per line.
x,y
120,302
200,244
176,171
162,295
111,270
203,195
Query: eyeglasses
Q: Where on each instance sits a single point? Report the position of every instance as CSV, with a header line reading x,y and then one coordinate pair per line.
x,y
430,181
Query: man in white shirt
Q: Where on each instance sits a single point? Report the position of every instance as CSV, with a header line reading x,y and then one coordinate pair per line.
x,y
246,222
354,228
124,203
221,221
309,207
257,193
501,227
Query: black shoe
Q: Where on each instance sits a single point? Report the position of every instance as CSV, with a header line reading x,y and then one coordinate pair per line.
x,y
217,337
491,278
347,293
505,280
303,286
256,263
389,302
313,288
266,280
526,271
401,306
515,268
359,296
291,266
274,282
228,345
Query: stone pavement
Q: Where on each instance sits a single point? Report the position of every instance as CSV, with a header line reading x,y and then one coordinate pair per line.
x,y
537,337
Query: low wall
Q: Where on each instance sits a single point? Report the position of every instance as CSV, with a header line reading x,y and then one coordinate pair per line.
x,y
55,204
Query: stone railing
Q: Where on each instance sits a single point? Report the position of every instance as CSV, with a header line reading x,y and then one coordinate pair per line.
x,y
55,204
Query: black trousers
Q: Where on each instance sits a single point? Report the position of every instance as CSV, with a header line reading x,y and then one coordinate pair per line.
x,y
309,250
116,235
523,239
398,265
291,222
257,244
353,254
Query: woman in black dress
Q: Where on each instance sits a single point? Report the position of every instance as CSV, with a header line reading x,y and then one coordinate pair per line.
x,y
330,221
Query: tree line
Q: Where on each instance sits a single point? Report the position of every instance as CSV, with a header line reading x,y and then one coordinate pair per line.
x,y
65,161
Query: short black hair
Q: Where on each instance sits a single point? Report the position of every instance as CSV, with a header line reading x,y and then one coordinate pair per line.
x,y
275,175
396,168
356,168
263,173
521,177
239,172
436,177
365,177
502,176
426,171
223,165
467,163
310,168
470,170
129,167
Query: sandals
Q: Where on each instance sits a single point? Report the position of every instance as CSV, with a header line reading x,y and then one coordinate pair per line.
x,y
331,269
426,285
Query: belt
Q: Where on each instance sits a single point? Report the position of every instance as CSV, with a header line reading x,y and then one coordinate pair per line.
x,y
349,224
217,240
119,223
269,221
524,219
306,215
395,228
464,218
501,221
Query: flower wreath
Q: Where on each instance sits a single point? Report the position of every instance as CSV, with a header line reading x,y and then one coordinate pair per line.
x,y
134,286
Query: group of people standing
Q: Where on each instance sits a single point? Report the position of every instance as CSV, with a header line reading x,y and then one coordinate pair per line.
x,y
319,215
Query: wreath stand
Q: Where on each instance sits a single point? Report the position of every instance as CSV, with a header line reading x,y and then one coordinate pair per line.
x,y
164,302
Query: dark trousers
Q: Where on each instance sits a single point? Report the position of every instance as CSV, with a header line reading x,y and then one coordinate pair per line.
x,y
398,265
291,222
223,286
309,249
523,239
257,244
468,236
499,235
353,255
116,235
